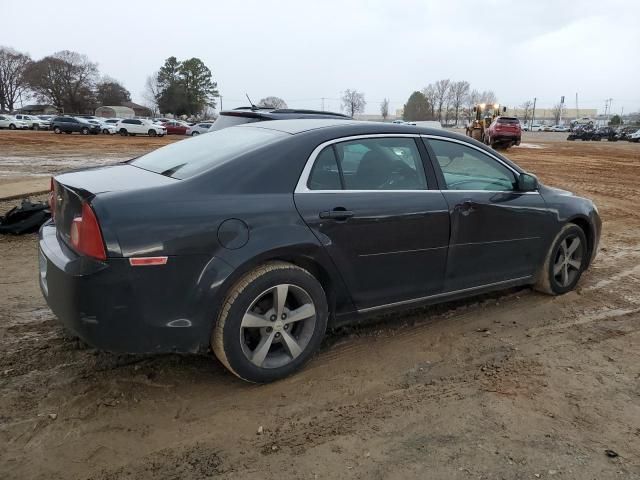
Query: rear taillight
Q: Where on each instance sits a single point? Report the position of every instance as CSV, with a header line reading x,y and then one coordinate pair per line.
x,y
86,237
52,198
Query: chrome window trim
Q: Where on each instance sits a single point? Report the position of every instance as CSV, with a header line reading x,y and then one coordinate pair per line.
x,y
302,187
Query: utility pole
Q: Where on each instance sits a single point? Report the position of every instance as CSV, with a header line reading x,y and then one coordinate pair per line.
x,y
533,114
577,111
561,106
323,104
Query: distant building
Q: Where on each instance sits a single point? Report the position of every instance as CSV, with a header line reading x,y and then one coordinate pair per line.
x,y
38,110
140,110
544,115
115,111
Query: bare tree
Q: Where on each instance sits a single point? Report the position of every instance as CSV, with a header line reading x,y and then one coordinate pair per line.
x,y
459,93
152,92
556,111
488,97
353,102
429,93
12,79
526,109
384,109
471,101
272,102
441,88
66,79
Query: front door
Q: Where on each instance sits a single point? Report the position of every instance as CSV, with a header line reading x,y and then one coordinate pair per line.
x,y
368,202
496,231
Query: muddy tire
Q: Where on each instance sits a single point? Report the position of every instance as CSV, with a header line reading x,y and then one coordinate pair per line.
x,y
565,261
57,130
271,323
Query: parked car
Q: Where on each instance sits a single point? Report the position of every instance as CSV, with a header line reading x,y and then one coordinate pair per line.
x,y
12,123
105,128
559,128
199,128
140,126
624,133
175,127
608,133
242,115
535,128
33,122
73,124
635,137
111,121
584,132
546,128
252,240
503,132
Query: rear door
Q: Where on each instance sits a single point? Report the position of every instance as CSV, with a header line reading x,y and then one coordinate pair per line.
x,y
377,210
497,233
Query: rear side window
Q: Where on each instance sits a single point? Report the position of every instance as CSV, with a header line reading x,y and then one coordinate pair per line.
x,y
369,164
187,158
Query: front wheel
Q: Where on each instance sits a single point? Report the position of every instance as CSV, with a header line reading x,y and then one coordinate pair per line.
x,y
152,132
271,323
123,132
57,130
193,134
565,261
12,127
84,131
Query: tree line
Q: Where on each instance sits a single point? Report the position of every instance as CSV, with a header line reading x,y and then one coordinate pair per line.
x,y
73,83
446,101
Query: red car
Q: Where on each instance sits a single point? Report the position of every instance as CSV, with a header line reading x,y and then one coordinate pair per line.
x,y
175,128
503,132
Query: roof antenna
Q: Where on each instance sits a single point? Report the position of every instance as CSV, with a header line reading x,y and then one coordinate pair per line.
x,y
253,107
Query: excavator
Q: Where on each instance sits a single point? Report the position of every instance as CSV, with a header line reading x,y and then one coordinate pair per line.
x,y
484,115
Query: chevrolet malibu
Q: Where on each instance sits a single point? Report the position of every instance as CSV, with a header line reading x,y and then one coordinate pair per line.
x,y
252,240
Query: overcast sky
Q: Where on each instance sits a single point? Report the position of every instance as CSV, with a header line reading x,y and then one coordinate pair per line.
x,y
305,50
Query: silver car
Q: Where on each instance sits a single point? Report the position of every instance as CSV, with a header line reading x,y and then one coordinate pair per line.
x,y
199,128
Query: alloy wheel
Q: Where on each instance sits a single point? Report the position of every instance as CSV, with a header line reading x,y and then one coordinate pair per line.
x,y
568,262
278,326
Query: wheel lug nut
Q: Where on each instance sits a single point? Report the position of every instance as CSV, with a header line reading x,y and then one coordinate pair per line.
x,y
273,318
277,334
269,329
284,315
286,327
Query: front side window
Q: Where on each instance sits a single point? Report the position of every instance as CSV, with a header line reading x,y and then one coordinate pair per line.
x,y
369,164
465,168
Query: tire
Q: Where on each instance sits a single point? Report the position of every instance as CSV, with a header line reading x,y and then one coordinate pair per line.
x,y
57,130
550,278
152,132
195,134
12,126
105,131
236,345
123,132
36,127
84,131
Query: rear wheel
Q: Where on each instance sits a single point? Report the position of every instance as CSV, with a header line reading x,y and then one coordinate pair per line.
x,y
105,131
271,323
12,127
152,132
84,131
57,130
123,132
193,134
565,261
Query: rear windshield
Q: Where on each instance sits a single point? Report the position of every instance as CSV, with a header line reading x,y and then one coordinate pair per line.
x,y
187,158
508,120
225,121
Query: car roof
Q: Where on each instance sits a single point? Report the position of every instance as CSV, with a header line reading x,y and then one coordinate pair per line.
x,y
345,127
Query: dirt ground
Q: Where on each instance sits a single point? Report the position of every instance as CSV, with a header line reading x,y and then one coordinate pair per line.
x,y
514,385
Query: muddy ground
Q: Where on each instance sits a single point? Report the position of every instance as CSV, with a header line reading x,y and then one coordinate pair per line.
x,y
514,385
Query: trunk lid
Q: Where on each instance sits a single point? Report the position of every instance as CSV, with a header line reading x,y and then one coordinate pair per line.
x,y
74,188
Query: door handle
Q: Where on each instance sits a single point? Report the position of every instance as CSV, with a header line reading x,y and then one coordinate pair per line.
x,y
466,207
338,213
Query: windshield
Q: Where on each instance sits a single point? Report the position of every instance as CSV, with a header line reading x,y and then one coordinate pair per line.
x,y
225,121
187,158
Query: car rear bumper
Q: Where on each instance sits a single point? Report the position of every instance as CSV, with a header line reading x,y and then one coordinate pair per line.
x,y
116,307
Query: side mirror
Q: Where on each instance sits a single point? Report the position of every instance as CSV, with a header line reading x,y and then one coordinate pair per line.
x,y
527,182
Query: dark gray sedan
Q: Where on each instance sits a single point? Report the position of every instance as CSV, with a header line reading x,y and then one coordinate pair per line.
x,y
252,240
